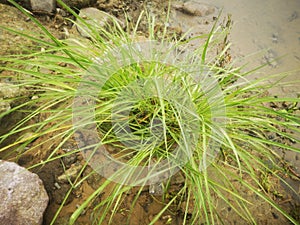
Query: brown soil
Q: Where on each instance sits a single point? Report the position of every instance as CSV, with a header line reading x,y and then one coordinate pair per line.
x,y
147,205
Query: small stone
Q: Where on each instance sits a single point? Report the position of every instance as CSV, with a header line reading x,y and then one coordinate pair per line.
x,y
57,185
194,8
70,174
43,5
22,194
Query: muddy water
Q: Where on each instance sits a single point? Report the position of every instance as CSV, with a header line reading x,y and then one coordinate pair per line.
x,y
264,31
267,32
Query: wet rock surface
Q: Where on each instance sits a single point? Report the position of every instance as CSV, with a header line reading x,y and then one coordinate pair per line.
x,y
22,194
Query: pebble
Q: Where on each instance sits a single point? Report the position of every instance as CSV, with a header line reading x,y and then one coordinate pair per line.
x,y
57,186
70,174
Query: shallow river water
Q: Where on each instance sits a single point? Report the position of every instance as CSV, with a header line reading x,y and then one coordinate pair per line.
x,y
264,31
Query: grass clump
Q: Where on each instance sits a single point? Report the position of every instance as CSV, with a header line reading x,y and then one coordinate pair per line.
x,y
146,113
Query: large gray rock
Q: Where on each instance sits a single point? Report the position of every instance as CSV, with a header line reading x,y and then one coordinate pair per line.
x,y
23,197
